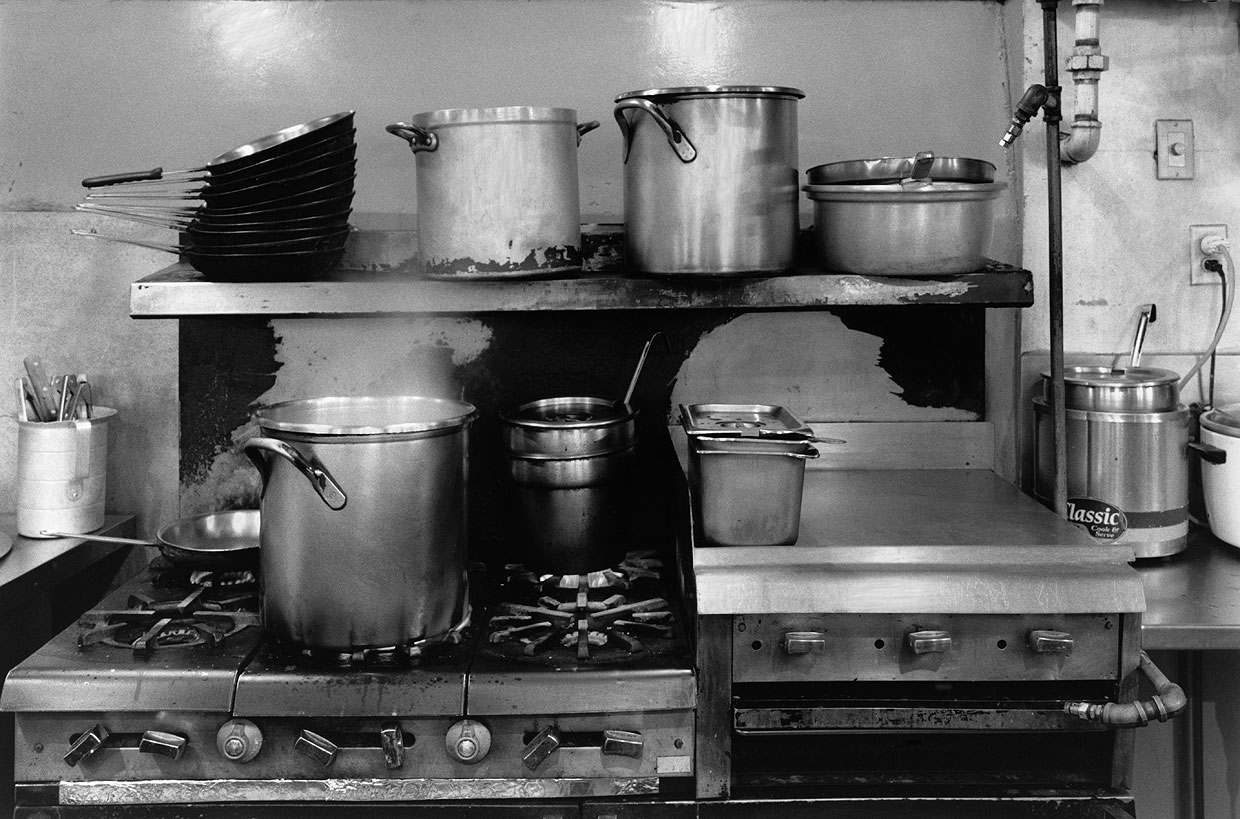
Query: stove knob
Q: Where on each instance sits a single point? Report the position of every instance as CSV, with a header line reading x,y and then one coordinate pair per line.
x,y
319,748
468,741
929,642
1045,641
392,738
540,747
622,743
162,743
85,745
803,642
239,740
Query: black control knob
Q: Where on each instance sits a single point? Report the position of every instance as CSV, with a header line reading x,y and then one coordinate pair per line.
x,y
239,740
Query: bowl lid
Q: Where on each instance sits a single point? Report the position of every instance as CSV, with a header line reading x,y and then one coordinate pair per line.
x,y
889,169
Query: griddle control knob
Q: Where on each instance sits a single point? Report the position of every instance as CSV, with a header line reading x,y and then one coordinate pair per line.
x,y
319,748
544,743
803,642
929,642
162,743
392,738
239,740
1046,641
468,741
86,744
622,743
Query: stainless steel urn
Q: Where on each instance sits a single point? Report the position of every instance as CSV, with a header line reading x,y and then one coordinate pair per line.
x,y
1127,443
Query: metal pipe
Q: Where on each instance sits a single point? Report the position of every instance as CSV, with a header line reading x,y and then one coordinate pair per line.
x,y
1051,115
1086,66
1168,700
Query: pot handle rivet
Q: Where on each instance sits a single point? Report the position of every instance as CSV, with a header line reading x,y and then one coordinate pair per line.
x,y
676,137
419,139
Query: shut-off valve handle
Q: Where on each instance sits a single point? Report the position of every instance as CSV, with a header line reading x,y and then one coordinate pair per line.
x,y
1034,98
1168,700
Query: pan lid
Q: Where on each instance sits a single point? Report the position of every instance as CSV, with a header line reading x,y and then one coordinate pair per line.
x,y
742,421
716,91
889,169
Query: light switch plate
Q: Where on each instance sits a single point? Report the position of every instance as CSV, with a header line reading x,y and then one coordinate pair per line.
x,y
1174,148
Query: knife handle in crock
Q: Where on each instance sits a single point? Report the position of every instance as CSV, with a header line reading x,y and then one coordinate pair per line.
x,y
320,478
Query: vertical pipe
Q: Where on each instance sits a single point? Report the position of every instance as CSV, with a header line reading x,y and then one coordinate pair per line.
x,y
1051,115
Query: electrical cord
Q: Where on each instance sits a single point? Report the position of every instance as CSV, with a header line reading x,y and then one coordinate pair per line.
x,y
1219,248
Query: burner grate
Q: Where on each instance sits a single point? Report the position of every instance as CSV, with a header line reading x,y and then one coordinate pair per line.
x,y
570,612
144,631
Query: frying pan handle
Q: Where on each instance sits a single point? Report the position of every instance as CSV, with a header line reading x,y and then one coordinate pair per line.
x,y
675,136
419,139
120,178
258,449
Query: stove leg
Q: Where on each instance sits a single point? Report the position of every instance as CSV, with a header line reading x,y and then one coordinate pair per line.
x,y
1190,741
714,707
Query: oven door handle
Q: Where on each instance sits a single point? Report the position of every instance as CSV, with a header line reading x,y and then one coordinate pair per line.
x,y
1168,700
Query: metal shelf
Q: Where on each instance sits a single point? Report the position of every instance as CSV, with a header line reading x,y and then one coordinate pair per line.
x,y
180,291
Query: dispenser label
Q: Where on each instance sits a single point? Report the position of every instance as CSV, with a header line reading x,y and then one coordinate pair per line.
x,y
1099,518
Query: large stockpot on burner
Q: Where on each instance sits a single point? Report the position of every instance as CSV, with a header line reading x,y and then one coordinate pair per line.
x,y
710,179
570,468
364,534
1127,445
497,191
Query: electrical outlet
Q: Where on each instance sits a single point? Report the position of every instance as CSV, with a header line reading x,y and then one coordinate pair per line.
x,y
1196,259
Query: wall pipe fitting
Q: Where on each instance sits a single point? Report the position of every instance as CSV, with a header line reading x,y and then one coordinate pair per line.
x,y
1086,66
1168,700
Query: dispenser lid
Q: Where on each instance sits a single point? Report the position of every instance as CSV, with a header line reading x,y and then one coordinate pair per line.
x,y
1223,420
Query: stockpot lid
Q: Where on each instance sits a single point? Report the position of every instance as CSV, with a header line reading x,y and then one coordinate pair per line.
x,y
888,169
776,91
366,415
568,412
1223,420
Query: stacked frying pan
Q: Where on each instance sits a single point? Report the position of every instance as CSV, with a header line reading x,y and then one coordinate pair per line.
x,y
276,208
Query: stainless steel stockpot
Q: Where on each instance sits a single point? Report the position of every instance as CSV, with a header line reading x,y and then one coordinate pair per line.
x,y
497,191
571,465
710,179
364,520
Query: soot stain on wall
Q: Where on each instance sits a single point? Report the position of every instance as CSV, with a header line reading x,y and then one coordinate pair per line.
x,y
936,354
225,364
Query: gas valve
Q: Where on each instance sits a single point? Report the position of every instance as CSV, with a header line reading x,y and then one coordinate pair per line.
x,y
162,743
392,739
540,747
239,740
319,748
85,745
468,741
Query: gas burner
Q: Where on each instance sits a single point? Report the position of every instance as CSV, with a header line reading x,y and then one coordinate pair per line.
x,y
233,597
144,630
377,658
570,611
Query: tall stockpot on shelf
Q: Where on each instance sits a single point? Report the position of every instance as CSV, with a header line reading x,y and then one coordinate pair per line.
x,y
710,179
497,191
364,528
1127,444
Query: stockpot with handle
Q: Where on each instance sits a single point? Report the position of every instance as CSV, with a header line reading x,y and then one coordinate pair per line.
x,y
497,191
710,179
364,535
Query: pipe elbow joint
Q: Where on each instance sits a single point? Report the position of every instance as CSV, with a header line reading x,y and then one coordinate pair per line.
x,y
1083,141
1168,700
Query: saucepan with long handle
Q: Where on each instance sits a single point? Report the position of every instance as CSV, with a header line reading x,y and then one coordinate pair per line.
x,y
215,540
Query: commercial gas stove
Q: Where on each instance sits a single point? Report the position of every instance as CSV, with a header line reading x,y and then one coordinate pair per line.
x,y
169,698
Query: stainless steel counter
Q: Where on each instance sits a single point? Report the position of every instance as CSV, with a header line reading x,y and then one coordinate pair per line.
x,y
1192,598
36,564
